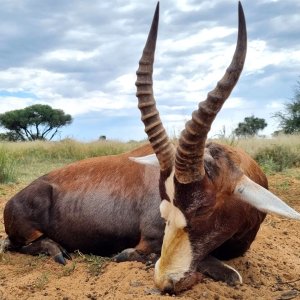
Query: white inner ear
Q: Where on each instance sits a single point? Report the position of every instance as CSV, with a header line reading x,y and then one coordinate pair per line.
x,y
146,160
259,197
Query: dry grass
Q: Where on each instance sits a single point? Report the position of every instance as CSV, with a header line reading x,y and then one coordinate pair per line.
x,y
274,154
24,161
255,145
65,149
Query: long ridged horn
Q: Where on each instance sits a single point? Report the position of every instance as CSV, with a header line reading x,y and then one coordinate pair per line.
x,y
257,196
157,135
189,162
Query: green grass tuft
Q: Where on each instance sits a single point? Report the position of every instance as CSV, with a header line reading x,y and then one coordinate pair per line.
x,y
7,166
273,154
277,158
96,264
41,281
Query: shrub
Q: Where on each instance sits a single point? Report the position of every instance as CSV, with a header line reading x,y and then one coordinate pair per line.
x,y
276,158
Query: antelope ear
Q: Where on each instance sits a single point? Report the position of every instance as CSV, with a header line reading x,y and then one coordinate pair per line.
x,y
259,197
146,160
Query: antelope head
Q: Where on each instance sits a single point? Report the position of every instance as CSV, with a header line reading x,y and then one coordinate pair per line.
x,y
201,185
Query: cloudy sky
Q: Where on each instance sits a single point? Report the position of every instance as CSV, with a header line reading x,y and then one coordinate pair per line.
x,y
81,56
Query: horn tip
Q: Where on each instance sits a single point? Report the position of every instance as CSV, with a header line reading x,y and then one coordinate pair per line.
x,y
241,11
156,10
242,23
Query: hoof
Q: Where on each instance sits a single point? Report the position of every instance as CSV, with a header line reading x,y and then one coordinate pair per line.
x,y
132,254
59,258
65,253
129,254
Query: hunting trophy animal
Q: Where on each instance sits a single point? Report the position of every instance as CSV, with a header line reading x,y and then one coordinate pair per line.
x,y
214,197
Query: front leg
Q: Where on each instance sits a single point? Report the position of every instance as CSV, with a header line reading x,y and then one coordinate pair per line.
x,y
219,271
44,245
149,247
147,251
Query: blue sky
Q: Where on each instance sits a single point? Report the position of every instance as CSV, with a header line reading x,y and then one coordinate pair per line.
x,y
81,56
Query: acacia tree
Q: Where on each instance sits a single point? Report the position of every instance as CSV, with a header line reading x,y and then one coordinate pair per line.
x,y
250,126
289,119
35,122
10,136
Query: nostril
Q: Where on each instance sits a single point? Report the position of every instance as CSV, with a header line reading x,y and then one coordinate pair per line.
x,y
169,288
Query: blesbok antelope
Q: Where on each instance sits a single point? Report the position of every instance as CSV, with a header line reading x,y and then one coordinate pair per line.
x,y
214,197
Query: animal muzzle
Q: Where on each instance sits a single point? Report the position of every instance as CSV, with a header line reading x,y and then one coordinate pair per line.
x,y
185,283
170,285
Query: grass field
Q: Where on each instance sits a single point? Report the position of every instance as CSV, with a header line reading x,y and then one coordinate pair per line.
x,y
22,162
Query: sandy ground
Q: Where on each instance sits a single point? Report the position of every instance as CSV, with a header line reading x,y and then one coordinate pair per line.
x,y
270,269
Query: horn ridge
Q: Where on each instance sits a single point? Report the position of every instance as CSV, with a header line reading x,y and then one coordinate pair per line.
x,y
189,160
157,135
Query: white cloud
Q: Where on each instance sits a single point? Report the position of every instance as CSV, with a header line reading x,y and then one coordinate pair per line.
x,y
12,103
260,55
37,81
123,84
234,102
94,101
187,6
45,86
285,22
276,105
67,54
203,36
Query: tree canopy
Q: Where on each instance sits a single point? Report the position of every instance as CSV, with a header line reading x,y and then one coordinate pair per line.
x,y
35,122
250,126
289,119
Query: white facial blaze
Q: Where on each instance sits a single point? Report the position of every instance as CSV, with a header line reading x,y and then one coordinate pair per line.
x,y
165,208
170,189
176,254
